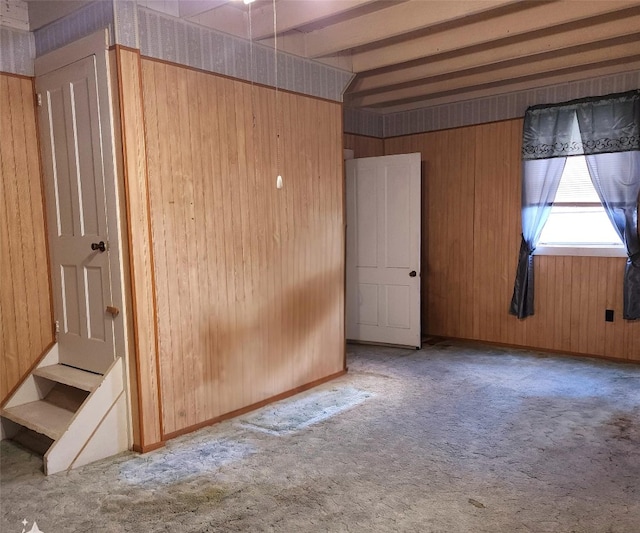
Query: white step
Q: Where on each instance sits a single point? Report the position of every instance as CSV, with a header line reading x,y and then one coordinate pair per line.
x,y
41,416
80,379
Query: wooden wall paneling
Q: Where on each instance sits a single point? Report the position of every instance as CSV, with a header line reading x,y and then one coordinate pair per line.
x,y
476,170
496,228
333,130
141,256
574,277
194,367
448,227
186,254
12,344
297,168
250,355
593,304
363,146
562,291
266,165
237,328
36,248
249,301
210,253
204,400
157,122
329,176
131,363
15,340
25,292
177,272
539,329
255,250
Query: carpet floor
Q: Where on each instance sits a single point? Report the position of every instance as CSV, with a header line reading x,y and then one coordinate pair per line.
x,y
451,438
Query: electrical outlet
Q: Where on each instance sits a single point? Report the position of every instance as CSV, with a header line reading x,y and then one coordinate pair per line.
x,y
608,315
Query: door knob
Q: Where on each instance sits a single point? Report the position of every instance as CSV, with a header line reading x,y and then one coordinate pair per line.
x,y
98,246
413,274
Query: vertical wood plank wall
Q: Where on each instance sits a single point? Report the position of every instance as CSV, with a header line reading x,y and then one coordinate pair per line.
x,y
471,232
364,146
249,279
25,295
148,430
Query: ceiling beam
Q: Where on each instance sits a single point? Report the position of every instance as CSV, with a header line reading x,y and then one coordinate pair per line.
x,y
517,86
507,50
390,22
538,17
294,14
545,67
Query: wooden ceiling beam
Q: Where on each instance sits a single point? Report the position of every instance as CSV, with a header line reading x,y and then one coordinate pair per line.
x,y
393,21
537,17
295,14
528,46
515,87
547,67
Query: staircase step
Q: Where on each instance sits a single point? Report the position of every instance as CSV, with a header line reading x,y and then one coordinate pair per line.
x,y
41,416
80,379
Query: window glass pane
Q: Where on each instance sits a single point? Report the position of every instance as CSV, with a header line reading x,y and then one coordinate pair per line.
x,y
575,184
579,225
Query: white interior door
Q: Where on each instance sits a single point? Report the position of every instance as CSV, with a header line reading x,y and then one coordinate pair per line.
x,y
383,249
74,176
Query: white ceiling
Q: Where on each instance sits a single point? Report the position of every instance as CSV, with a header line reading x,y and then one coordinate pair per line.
x,y
413,53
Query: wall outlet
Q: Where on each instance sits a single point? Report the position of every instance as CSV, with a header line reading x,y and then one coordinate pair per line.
x,y
608,315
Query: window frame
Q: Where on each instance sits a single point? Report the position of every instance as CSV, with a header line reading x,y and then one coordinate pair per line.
x,y
581,249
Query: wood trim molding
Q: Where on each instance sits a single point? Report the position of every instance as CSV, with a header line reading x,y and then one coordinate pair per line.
x,y
477,342
14,75
254,406
143,380
146,449
46,220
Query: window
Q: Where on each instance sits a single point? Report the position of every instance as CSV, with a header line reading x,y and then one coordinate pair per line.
x,y
578,223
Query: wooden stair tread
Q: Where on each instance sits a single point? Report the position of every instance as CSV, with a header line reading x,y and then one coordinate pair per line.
x,y
80,379
42,417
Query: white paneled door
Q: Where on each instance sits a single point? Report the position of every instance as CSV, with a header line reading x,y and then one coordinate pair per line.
x,y
383,249
74,182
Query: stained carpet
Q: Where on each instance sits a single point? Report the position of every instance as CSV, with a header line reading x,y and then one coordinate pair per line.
x,y
452,438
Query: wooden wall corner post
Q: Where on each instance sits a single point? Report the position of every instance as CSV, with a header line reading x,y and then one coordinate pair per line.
x,y
143,294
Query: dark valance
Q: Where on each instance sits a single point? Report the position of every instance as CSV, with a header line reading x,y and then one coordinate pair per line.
x,y
607,124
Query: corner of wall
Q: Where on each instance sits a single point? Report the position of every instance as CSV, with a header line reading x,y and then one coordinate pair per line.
x,y
363,122
17,51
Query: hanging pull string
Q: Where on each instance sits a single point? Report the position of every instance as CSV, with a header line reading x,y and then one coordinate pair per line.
x,y
278,114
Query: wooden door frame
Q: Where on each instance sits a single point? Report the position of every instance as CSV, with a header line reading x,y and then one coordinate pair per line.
x,y
97,44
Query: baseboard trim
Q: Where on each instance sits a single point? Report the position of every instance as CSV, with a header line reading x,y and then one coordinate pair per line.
x,y
148,448
538,349
252,407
